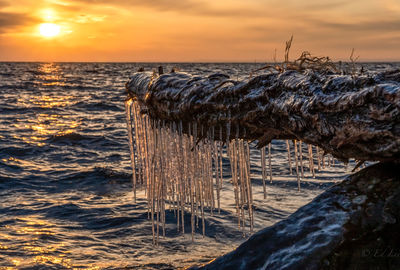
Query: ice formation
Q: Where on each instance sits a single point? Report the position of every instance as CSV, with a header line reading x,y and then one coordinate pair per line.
x,y
182,126
184,171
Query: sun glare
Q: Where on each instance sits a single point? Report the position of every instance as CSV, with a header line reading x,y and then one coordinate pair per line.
x,y
49,30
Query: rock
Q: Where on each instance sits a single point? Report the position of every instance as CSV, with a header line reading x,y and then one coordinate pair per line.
x,y
337,230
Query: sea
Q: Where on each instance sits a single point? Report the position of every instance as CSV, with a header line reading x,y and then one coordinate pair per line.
x,y
66,199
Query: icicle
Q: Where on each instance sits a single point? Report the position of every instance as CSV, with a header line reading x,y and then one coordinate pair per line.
x,y
194,162
210,152
232,148
297,165
181,169
234,171
248,185
269,162
158,180
289,156
220,156
241,180
183,175
263,170
200,184
138,143
151,193
128,108
301,158
318,158
311,160
217,174
203,224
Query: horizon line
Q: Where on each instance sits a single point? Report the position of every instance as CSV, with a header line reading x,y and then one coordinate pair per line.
x,y
189,62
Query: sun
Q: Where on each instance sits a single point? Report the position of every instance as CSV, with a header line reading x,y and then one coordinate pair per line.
x,y
49,30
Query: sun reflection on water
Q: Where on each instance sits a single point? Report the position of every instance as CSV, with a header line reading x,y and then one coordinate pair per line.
x,y
45,115
50,74
28,234
43,126
45,101
18,162
30,229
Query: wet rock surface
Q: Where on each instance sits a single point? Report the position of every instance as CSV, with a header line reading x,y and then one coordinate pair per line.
x,y
353,225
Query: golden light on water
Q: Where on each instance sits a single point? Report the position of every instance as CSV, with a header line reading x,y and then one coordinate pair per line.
x,y
36,129
26,232
30,229
49,30
46,125
47,101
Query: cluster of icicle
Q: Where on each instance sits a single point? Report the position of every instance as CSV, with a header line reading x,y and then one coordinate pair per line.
x,y
186,173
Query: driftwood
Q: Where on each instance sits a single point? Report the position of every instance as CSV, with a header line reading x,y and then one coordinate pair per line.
x,y
349,116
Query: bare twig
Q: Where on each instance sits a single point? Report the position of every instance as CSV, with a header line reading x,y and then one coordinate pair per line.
x,y
353,61
305,61
287,49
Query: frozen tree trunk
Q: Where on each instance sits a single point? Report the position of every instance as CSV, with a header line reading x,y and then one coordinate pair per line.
x,y
347,116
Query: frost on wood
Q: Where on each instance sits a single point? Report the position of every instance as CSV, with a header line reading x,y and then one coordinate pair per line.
x,y
348,116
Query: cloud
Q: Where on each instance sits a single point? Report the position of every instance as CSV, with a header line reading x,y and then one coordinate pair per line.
x,y
313,27
3,3
391,5
10,20
377,25
155,4
318,6
201,8
309,5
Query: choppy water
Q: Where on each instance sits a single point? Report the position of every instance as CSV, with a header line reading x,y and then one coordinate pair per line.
x,y
65,176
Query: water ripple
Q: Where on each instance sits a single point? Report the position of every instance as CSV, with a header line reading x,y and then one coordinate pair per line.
x,y
66,197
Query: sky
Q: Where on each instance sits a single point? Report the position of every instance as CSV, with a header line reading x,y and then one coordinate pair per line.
x,y
197,30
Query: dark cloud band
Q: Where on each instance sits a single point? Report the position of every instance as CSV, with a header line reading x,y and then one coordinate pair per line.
x,y
9,20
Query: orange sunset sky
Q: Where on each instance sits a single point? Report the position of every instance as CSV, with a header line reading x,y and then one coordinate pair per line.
x,y
197,30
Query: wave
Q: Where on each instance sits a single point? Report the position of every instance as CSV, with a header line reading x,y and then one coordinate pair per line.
x,y
36,72
93,142
16,151
99,180
71,138
111,173
97,106
6,74
13,109
102,174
